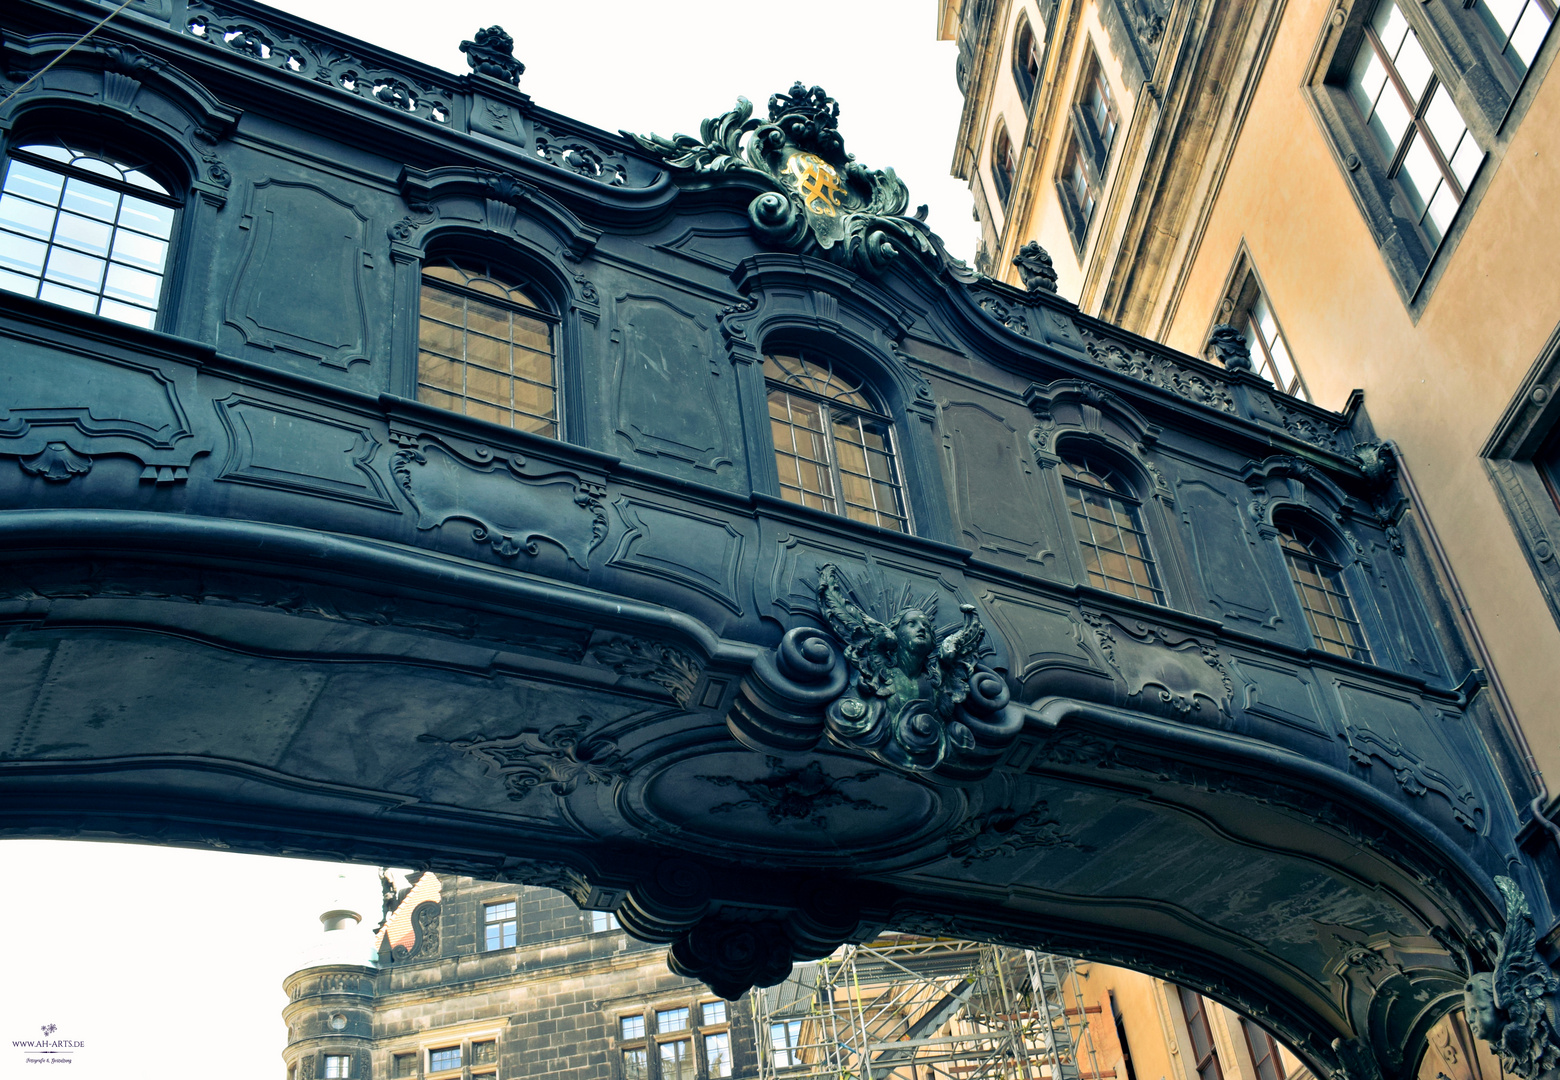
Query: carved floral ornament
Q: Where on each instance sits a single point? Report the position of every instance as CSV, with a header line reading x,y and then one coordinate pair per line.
x,y
821,198
899,689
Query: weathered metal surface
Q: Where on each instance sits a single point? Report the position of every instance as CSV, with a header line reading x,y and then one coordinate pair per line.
x,y
253,595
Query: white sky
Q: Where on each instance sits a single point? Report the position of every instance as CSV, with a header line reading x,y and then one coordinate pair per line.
x,y
167,960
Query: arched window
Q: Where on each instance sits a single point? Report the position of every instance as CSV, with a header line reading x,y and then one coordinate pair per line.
x,y
1318,580
1108,523
1003,165
86,230
485,347
833,446
1026,60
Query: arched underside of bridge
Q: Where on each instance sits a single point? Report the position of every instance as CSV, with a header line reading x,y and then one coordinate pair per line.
x,y
260,689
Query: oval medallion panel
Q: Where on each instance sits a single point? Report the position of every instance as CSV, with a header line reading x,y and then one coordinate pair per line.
x,y
719,796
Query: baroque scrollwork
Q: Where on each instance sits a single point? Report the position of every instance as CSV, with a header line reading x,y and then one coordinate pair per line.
x,y
1514,1008
821,198
900,690
561,758
1006,832
794,794
669,668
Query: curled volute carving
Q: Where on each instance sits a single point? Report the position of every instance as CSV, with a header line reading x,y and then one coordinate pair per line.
x,y
1516,1007
821,199
493,54
899,691
1035,267
1227,346
733,949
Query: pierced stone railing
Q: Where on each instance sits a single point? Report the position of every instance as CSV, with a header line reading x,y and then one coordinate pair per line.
x,y
1041,318
474,104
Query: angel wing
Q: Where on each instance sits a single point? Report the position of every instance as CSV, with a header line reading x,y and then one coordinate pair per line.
x,y
866,639
1522,979
955,659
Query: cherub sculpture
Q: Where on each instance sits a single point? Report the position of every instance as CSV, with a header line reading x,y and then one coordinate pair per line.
x,y
909,700
1513,1008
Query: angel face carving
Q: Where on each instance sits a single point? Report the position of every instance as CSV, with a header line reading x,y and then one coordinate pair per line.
x,y
912,700
1514,1008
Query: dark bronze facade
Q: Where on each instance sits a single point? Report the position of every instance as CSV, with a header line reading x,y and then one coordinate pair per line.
x,y
1134,659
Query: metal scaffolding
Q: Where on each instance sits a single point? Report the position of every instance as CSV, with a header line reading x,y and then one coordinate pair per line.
x,y
909,1008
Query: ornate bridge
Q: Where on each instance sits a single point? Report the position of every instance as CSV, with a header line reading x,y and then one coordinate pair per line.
x,y
854,591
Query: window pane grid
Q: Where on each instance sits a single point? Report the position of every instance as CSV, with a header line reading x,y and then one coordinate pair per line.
x,y
829,454
717,1054
1519,26
1113,543
677,1060
1318,583
482,358
81,244
1433,154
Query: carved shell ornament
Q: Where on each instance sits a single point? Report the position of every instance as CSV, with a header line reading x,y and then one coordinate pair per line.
x,y
891,685
821,199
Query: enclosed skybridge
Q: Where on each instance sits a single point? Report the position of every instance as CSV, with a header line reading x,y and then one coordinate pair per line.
x,y
671,521
913,1008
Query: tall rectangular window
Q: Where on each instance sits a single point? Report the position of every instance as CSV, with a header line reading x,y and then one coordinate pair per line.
x,y
1264,1052
676,1060
404,1065
717,1054
1421,133
1086,155
1246,307
1204,1056
337,1066
84,230
636,1065
499,926
785,1041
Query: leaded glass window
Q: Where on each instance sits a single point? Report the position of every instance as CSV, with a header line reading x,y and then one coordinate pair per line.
x,y
85,230
1318,581
1108,524
834,449
485,348
1423,136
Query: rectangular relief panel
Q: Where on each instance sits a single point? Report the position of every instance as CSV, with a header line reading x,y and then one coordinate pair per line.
x,y
998,492
689,549
300,288
1395,730
671,401
1283,695
1229,574
288,449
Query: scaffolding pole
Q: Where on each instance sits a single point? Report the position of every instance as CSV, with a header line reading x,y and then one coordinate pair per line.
x,y
910,1008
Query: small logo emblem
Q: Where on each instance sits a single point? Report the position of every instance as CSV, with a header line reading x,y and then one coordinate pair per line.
x,y
50,1029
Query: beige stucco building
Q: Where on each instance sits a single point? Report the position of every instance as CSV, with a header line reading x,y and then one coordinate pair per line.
x,y
1364,188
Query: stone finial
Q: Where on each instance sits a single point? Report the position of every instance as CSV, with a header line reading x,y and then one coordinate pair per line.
x,y
1227,346
493,54
1034,265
